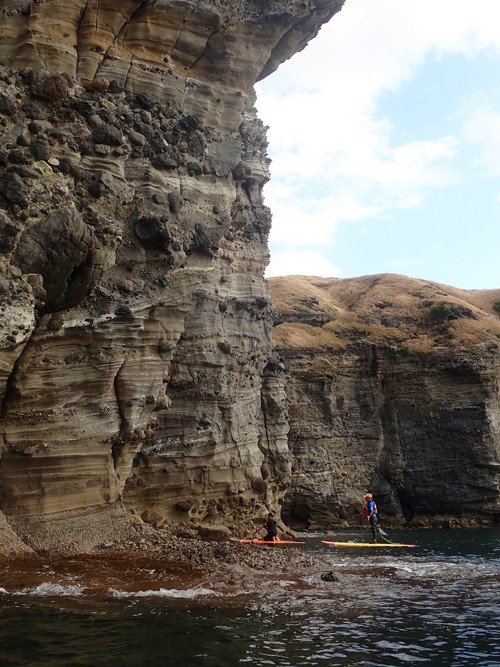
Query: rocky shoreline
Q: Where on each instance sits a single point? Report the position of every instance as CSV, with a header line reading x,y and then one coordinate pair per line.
x,y
113,533
108,553
112,529
136,556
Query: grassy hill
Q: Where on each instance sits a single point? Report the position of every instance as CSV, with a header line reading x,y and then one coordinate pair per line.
x,y
387,309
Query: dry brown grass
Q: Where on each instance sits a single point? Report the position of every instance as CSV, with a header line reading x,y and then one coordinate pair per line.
x,y
387,309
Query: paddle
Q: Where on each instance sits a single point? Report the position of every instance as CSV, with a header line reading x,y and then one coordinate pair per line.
x,y
382,532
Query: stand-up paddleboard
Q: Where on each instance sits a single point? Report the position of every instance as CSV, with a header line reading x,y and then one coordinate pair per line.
x,y
276,543
367,544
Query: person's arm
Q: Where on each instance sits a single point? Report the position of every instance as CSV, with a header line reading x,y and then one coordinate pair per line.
x,y
259,529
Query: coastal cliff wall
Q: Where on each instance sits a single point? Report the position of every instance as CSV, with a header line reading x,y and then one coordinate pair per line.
x,y
139,366
394,386
135,335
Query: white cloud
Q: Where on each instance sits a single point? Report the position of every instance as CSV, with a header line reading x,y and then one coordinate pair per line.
x,y
310,219
333,156
303,262
481,129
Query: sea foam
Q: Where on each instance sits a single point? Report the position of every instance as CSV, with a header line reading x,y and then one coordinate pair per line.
x,y
50,589
189,593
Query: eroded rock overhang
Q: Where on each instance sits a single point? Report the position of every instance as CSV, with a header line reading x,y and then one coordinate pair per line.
x,y
136,357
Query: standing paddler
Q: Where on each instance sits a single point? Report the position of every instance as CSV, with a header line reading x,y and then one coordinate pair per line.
x,y
370,511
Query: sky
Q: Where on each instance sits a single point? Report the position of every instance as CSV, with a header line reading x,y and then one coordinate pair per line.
x,y
384,136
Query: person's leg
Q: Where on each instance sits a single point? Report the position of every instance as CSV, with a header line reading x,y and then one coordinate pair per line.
x,y
373,526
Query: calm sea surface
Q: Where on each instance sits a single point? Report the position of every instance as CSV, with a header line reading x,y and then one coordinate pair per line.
x,y
437,604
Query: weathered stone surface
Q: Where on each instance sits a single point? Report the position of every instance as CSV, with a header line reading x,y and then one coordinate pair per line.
x,y
393,387
134,240
137,367
63,250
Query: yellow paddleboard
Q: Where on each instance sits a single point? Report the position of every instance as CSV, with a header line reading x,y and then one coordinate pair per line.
x,y
367,544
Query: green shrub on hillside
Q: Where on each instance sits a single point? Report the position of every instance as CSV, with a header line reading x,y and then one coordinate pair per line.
x,y
445,312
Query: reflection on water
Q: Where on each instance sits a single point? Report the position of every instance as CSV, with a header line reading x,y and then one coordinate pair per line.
x,y
435,605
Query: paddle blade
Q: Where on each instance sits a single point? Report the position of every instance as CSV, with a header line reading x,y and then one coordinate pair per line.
x,y
382,532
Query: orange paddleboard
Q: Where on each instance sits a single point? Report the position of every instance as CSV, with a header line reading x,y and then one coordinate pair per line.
x,y
276,543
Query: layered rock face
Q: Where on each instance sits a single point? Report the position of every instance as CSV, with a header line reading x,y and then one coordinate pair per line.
x,y
136,358
393,387
137,367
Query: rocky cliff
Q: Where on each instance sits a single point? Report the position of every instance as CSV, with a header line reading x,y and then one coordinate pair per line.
x,y
135,339
138,375
394,385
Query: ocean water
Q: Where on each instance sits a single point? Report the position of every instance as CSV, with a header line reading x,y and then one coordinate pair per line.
x,y
437,605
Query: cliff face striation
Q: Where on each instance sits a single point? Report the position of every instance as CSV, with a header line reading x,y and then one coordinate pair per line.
x,y
135,334
137,367
394,385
